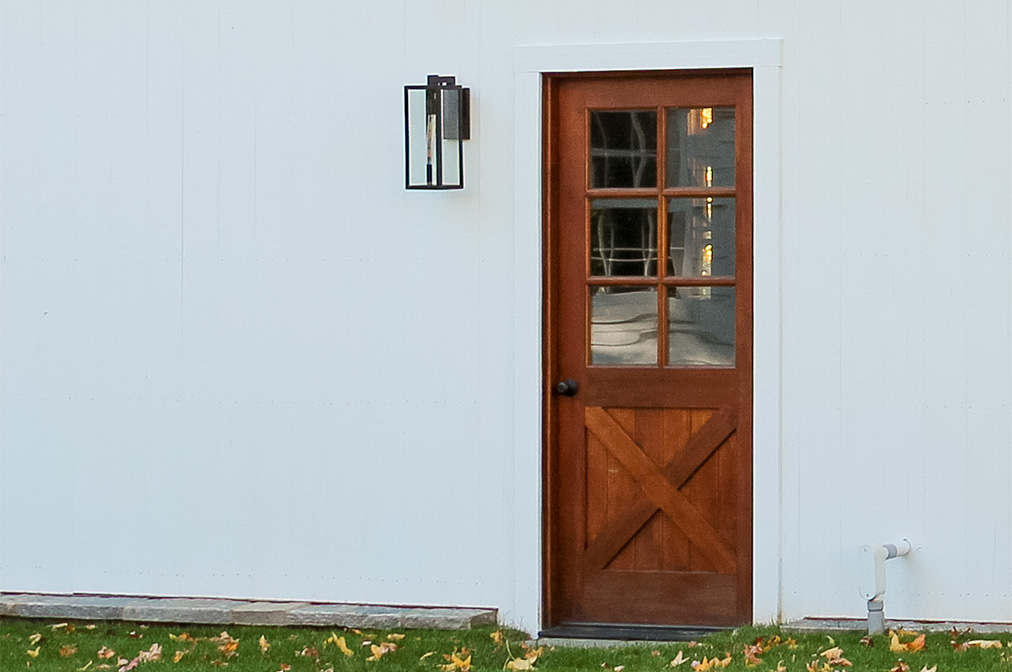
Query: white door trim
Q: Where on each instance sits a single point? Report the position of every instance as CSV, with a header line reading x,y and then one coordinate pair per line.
x,y
531,62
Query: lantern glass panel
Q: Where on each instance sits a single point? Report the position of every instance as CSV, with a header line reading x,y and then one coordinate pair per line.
x,y
419,167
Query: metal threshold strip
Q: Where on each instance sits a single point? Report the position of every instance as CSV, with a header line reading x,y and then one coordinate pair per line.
x,y
630,632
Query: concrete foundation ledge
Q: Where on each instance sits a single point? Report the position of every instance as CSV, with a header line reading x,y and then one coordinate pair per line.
x,y
220,611
820,624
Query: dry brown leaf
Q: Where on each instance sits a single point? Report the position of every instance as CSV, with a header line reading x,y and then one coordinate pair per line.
x,y
752,652
34,653
497,637
67,650
343,646
457,660
67,627
34,639
264,644
285,667
619,668
178,656
380,651
309,652
867,641
781,667
933,668
900,666
984,644
87,665
834,656
896,646
396,636
519,664
105,653
153,653
678,659
184,637
655,653
427,654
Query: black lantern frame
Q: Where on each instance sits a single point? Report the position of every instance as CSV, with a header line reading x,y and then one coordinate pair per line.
x,y
437,119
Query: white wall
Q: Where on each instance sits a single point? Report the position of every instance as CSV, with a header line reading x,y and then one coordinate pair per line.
x,y
238,358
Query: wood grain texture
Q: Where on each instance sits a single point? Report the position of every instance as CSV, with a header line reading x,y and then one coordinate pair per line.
x,y
647,473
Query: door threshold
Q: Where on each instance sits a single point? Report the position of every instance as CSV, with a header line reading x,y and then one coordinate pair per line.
x,y
629,632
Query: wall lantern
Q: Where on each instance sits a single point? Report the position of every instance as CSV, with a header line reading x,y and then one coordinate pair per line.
x,y
437,119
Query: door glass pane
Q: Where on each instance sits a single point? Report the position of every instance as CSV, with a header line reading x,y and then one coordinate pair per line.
x,y
701,237
700,326
623,149
623,325
700,147
623,236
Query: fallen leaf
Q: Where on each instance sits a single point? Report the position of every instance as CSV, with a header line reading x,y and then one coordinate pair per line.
x,y
712,663
285,667
103,666
106,653
426,655
34,639
752,652
619,668
219,663
82,669
900,666
655,653
184,637
896,646
396,636
343,646
133,634
457,660
781,667
678,659
127,665
519,664
178,656
984,644
67,650
309,652
933,668
867,641
264,644
34,653
90,626
153,653
834,656
68,627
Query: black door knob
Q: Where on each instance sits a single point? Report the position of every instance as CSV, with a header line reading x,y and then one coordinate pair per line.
x,y
567,387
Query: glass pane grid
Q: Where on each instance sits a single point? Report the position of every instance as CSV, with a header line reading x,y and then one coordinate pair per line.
x,y
668,264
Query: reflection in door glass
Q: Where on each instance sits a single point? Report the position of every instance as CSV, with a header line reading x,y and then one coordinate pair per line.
x,y
700,147
623,236
700,326
701,237
623,149
623,325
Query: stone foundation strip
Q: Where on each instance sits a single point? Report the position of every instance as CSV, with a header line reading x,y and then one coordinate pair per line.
x,y
216,611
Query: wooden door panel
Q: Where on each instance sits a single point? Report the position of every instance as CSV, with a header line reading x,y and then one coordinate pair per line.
x,y
648,466
652,597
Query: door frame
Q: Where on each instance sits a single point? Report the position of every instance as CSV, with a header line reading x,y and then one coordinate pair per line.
x,y
763,57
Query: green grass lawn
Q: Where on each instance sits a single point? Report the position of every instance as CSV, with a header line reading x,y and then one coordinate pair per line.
x,y
82,646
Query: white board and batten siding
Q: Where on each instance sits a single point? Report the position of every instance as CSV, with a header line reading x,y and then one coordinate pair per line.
x,y
238,358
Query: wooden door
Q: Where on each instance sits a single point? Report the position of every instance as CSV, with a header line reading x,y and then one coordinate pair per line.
x,y
648,277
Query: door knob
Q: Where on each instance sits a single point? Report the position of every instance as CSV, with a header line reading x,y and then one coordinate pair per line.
x,y
567,387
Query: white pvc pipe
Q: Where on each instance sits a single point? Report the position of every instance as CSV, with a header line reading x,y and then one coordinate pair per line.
x,y
873,579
